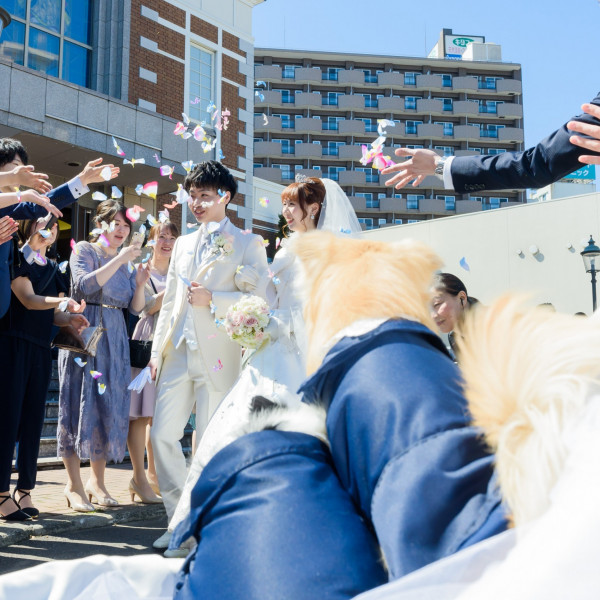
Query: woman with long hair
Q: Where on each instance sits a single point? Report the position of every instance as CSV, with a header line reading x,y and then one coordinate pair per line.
x,y
93,415
162,239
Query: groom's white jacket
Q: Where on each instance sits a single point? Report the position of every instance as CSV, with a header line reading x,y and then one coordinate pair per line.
x,y
222,275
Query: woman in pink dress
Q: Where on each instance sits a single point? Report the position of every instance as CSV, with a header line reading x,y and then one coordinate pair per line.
x,y
162,237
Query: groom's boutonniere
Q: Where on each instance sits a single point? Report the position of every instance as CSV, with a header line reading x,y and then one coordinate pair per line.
x,y
222,245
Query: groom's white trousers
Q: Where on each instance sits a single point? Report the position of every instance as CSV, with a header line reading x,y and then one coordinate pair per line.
x,y
182,384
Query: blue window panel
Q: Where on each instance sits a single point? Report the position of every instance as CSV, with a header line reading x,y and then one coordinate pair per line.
x,y
43,52
78,21
12,43
46,13
16,8
76,64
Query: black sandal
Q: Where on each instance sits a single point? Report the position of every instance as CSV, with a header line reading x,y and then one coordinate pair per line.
x,y
17,515
28,510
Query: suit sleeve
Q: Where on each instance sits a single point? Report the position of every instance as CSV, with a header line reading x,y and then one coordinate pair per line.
x,y
255,258
553,158
61,197
163,317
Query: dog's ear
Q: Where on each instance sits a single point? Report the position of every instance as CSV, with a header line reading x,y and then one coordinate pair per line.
x,y
261,404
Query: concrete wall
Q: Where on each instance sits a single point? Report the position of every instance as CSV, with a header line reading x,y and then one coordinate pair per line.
x,y
490,242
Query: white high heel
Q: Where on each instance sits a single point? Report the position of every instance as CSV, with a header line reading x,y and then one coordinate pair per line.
x,y
74,502
100,500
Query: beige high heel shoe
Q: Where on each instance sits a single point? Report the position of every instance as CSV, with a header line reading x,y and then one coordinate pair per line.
x,y
153,485
74,502
98,499
135,490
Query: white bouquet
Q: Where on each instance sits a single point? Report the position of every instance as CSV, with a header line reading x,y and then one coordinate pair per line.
x,y
246,321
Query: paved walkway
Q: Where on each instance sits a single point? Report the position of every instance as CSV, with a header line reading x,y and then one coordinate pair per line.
x,y
56,517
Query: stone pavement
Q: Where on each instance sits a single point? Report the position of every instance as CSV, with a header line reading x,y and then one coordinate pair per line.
x,y
56,518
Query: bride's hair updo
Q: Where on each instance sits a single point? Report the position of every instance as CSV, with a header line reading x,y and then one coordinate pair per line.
x,y
308,191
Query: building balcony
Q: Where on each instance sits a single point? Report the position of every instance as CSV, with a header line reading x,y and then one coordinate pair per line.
x,y
466,132
351,77
351,127
269,173
351,102
311,173
352,177
350,152
512,87
359,204
509,110
271,98
465,84
267,73
393,105
430,82
392,205
273,124
267,149
430,106
305,125
465,107
430,131
511,134
467,206
392,80
308,100
306,150
308,75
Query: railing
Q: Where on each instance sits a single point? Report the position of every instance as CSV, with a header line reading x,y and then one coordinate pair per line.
x,y
329,101
372,177
490,133
410,129
486,85
448,107
412,204
371,103
288,99
446,82
289,74
450,204
370,78
288,150
449,129
330,127
410,79
410,104
288,124
329,77
370,127
488,108
372,203
331,151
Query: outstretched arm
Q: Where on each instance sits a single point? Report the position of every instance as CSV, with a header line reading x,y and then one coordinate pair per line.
x,y
592,141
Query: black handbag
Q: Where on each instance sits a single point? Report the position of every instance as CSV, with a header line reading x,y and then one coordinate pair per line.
x,y
140,350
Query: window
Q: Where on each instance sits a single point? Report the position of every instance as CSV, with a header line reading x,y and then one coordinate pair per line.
x,y
365,195
333,148
412,221
411,126
410,102
397,195
372,176
332,123
370,127
475,150
450,202
448,104
487,83
56,40
397,221
368,223
370,102
289,71
286,145
381,222
333,172
286,171
476,198
496,202
373,203
412,201
489,130
448,127
258,165
287,122
489,106
410,78
369,78
381,195
331,74
332,98
287,97
447,150
495,151
414,146
201,82
446,80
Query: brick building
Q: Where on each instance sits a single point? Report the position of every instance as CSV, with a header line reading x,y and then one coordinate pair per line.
x,y
75,74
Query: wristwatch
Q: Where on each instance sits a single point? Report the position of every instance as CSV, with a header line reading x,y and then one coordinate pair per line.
x,y
439,167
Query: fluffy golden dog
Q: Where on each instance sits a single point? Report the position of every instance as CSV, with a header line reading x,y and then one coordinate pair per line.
x,y
347,280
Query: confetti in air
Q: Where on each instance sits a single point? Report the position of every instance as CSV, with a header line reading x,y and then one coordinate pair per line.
x,y
218,366
106,173
117,148
464,264
101,388
95,374
79,362
134,161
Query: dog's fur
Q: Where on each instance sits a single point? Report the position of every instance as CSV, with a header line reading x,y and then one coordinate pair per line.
x,y
528,373
347,280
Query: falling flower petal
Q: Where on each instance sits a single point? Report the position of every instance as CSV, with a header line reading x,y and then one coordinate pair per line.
x,y
212,226
139,188
142,229
195,100
134,161
180,128
118,149
39,259
73,244
62,267
167,170
106,173
156,158
150,189
181,195
260,96
218,366
185,280
45,233
116,193
239,269
211,107
261,83
152,220
163,216
150,243
101,388
171,205
192,225
382,124
210,337
345,231
213,308
246,231
199,133
277,243
264,202
464,264
265,119
265,243
95,374
186,119
79,362
188,165
130,267
132,214
102,241
99,196
276,280
221,155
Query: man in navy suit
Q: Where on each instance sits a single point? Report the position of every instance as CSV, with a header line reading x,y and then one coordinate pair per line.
x,y
12,156
554,157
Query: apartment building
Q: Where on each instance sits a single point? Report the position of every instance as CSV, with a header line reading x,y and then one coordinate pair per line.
x,y
76,73
316,109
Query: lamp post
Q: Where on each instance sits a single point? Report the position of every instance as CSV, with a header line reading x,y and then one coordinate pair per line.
x,y
590,255
4,19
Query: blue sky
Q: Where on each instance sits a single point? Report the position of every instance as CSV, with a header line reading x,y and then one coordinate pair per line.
x,y
557,42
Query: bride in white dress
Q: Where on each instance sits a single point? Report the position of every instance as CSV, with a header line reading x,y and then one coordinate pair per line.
x,y
277,369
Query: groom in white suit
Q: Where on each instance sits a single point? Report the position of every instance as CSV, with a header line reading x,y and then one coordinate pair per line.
x,y
193,360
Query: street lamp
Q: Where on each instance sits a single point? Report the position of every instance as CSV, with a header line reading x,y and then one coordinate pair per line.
x,y
4,19
590,254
